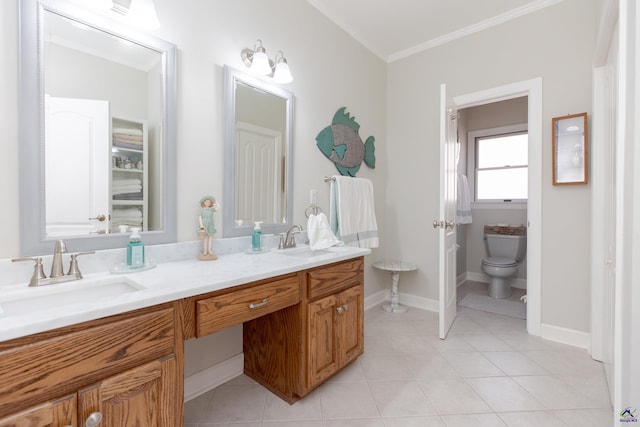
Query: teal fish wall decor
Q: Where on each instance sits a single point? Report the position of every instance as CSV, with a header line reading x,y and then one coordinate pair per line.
x,y
341,144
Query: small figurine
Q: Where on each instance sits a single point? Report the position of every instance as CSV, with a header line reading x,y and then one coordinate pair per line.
x,y
208,205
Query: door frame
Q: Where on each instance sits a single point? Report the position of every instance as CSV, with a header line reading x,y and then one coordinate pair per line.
x,y
532,89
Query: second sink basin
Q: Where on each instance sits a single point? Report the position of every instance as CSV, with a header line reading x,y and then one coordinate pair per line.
x,y
31,300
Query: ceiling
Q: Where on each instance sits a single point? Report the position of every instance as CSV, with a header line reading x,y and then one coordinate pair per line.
x,y
395,29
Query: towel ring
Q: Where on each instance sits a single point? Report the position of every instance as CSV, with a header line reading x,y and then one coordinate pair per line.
x,y
312,210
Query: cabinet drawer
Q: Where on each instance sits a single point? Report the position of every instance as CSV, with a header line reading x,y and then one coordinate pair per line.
x,y
232,308
333,278
61,364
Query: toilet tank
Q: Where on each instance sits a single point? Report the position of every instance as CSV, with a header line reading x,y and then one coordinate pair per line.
x,y
506,246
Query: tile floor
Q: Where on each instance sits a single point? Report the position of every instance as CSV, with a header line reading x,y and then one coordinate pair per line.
x,y
488,372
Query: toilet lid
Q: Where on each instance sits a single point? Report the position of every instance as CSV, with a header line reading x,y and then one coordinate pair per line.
x,y
499,262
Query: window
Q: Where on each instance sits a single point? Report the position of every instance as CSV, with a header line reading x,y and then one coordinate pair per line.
x,y
500,162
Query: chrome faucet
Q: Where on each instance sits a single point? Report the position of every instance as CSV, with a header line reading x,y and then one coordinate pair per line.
x,y
56,265
57,272
288,240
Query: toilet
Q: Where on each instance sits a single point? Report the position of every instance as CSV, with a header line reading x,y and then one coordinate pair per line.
x,y
506,247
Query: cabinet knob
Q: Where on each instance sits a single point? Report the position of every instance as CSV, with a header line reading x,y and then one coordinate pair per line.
x,y
93,420
346,307
340,310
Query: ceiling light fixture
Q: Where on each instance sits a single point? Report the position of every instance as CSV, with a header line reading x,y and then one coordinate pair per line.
x,y
259,63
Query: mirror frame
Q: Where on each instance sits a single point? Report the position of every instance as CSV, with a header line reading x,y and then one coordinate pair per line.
x,y
560,141
230,229
33,239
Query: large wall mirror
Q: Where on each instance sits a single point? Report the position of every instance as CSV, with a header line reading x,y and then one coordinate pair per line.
x,y
258,155
97,130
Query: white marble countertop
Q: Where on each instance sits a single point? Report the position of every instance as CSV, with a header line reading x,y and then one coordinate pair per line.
x,y
168,281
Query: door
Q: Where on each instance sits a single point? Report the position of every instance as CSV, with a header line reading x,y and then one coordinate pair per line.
x,y
259,174
60,412
142,396
77,135
351,320
322,336
446,223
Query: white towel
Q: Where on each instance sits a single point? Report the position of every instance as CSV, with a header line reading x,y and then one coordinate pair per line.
x,y
352,212
127,181
319,233
463,208
127,131
126,213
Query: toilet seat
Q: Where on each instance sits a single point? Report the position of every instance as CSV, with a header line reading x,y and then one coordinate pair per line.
x,y
499,262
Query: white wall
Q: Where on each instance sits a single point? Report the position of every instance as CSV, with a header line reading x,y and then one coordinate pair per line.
x,y
330,71
555,43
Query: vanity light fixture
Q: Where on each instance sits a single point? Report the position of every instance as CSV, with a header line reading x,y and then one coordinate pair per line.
x,y
259,63
142,13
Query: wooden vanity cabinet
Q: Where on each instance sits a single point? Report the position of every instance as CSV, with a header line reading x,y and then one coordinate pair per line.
x,y
127,368
292,351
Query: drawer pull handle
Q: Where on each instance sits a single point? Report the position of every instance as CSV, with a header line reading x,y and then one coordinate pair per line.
x,y
93,420
259,304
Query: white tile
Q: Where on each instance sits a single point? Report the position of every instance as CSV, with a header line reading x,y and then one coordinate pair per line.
x,y
472,365
595,387
554,393
566,362
531,419
451,344
486,342
514,363
428,366
364,422
434,421
347,400
237,403
276,409
454,397
473,420
350,373
298,423
396,399
588,417
504,395
384,367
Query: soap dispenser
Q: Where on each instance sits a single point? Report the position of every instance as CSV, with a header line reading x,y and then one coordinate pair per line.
x,y
135,249
256,237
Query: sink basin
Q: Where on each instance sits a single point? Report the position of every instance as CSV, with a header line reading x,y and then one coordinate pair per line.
x,y
303,252
59,295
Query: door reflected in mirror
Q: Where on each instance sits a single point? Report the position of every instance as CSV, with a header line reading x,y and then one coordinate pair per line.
x,y
258,123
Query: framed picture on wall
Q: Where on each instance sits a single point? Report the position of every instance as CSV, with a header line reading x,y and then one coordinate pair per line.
x,y
570,149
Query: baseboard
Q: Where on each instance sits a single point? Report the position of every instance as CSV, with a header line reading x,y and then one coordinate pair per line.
x,y
565,336
212,377
406,299
517,282
376,299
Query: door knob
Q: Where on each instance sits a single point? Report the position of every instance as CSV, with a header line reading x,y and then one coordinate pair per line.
x,y
437,224
449,225
443,224
100,217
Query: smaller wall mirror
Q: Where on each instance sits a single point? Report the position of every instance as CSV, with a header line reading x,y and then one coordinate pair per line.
x,y
258,152
570,149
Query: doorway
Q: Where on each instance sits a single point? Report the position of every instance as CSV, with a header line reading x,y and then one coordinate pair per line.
x,y
492,191
532,89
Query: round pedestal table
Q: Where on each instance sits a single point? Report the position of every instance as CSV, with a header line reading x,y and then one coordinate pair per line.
x,y
395,267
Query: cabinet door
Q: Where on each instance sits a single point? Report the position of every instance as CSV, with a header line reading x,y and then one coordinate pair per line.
x,y
322,334
143,396
59,413
351,337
